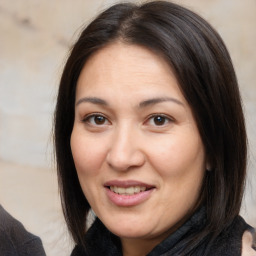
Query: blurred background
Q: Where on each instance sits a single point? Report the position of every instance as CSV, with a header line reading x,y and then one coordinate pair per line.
x,y
35,37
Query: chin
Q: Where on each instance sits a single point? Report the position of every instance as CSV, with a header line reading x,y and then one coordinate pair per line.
x,y
128,229
128,233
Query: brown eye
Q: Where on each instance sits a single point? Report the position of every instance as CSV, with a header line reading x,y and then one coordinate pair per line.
x,y
96,120
99,120
159,120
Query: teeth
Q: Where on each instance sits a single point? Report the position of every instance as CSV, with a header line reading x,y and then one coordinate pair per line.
x,y
127,191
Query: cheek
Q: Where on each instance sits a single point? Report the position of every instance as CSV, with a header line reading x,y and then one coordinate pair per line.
x,y
87,154
181,167
177,155
88,158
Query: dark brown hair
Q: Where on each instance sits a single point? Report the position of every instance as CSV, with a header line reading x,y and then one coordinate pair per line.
x,y
205,73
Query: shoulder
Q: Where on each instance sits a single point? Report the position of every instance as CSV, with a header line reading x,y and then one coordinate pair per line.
x,y
249,243
236,239
15,239
7,222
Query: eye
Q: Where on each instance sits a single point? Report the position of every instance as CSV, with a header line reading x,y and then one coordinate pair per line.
x,y
96,119
159,120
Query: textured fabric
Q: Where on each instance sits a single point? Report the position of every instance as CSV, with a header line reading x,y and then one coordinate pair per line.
x,y
102,242
15,240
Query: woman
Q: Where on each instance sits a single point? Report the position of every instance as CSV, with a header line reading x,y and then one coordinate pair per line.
x,y
150,135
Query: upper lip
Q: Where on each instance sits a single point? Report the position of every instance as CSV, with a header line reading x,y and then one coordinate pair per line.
x,y
127,183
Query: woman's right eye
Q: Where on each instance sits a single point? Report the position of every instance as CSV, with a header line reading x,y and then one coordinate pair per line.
x,y
96,120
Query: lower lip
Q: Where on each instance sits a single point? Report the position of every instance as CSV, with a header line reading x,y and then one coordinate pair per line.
x,y
128,200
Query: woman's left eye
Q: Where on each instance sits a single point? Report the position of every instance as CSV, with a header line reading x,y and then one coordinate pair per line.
x,y
159,120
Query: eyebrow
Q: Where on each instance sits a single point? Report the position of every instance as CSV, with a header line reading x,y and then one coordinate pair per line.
x,y
142,104
93,100
159,100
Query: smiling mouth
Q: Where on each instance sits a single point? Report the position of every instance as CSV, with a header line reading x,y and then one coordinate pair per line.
x,y
127,191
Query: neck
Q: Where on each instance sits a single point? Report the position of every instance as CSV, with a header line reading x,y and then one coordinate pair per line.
x,y
142,246
136,247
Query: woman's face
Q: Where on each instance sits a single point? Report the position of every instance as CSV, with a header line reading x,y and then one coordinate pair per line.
x,y
136,147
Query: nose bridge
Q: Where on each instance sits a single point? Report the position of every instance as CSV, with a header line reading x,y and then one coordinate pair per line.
x,y
124,150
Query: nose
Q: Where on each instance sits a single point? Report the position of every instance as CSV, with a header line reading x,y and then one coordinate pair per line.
x,y
125,151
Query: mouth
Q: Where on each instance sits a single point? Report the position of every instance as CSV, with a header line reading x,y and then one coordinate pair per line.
x,y
128,193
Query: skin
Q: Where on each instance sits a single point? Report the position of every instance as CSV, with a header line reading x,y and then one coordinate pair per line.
x,y
247,243
127,143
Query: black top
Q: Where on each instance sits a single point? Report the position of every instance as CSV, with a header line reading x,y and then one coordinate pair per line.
x,y
15,240
100,241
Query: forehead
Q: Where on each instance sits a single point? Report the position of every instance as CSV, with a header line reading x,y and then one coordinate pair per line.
x,y
120,66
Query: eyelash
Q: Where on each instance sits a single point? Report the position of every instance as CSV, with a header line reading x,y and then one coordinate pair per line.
x,y
87,118
166,120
